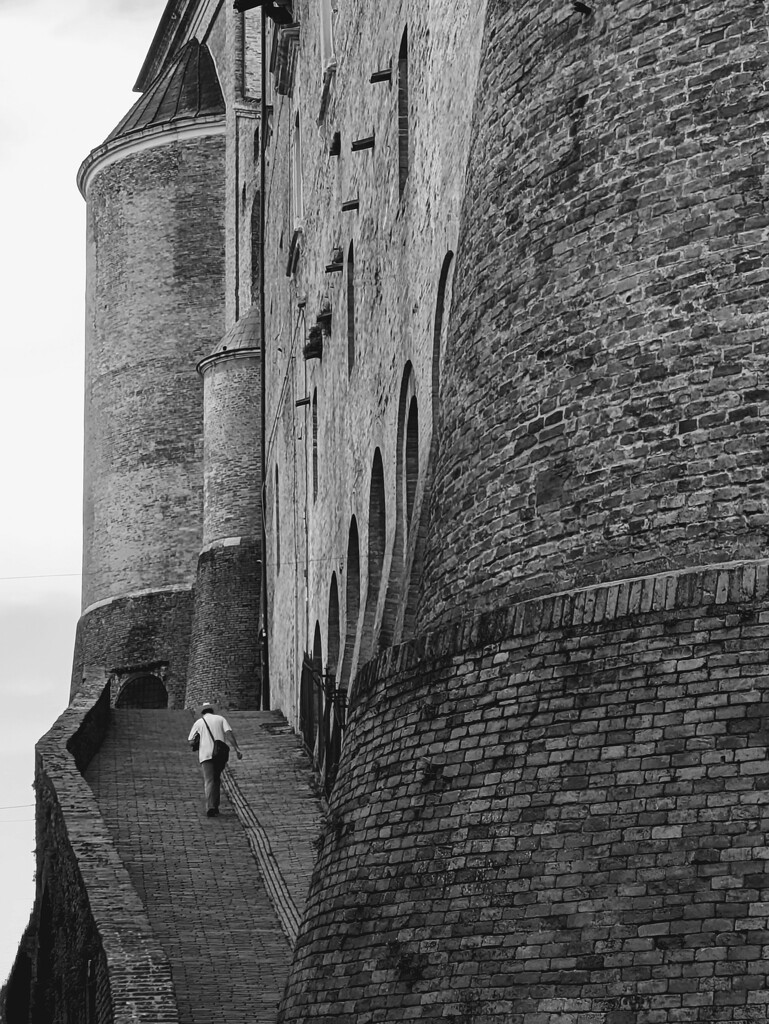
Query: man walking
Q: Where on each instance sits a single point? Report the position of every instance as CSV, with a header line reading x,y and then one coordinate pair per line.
x,y
210,727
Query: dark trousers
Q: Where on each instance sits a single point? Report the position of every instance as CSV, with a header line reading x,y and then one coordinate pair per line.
x,y
211,777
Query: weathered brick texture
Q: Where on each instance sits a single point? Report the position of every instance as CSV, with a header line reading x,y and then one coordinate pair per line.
x,y
232,478
554,812
399,246
225,656
138,632
603,405
92,953
155,294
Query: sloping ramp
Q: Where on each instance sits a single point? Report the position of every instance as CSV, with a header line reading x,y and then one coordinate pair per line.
x,y
200,883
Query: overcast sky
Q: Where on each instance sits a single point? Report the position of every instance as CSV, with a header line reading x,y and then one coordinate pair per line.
x,y
65,81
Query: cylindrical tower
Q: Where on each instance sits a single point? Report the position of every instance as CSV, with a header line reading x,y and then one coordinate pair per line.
x,y
603,407
224,652
155,305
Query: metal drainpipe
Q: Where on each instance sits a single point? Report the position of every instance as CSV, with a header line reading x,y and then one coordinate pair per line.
x,y
265,696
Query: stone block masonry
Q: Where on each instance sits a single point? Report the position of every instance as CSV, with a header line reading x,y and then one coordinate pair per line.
x,y
552,812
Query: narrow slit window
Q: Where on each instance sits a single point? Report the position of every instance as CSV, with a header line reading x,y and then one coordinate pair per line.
x,y
296,175
350,309
315,445
403,113
277,522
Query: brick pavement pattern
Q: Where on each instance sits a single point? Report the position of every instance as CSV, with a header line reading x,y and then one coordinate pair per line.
x,y
201,886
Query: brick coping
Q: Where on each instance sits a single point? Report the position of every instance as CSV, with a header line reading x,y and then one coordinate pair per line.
x,y
719,584
141,985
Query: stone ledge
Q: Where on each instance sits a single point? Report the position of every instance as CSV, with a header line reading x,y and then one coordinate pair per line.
x,y
583,607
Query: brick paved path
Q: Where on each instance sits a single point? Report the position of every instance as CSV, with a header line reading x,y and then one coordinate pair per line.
x,y
203,888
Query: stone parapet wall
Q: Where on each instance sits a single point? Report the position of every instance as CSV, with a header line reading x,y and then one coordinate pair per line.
x,y
89,943
554,812
603,396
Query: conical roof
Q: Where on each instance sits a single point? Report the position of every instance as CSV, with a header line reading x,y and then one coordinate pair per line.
x,y
244,336
188,88
244,333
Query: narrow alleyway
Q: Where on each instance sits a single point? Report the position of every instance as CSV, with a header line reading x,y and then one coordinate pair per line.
x,y
224,894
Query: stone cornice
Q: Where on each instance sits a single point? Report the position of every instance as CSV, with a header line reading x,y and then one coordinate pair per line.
x,y
136,142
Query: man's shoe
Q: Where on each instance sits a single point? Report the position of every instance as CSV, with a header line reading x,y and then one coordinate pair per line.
x,y
212,812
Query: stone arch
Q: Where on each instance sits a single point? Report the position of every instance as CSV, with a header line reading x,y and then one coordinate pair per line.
x,y
419,522
443,299
352,601
333,633
410,463
394,595
377,537
143,690
317,650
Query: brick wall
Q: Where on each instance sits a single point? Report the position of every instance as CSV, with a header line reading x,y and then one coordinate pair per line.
x,y
603,407
399,248
232,479
137,632
225,656
89,950
155,297
554,811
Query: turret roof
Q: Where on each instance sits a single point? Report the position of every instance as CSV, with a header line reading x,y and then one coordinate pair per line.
x,y
243,339
188,88
244,333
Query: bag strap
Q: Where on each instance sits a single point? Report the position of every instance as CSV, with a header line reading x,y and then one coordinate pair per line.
x,y
205,723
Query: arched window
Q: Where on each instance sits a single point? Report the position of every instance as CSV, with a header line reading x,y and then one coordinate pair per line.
x,y
317,651
407,474
315,445
350,309
143,691
296,174
403,113
352,601
277,522
377,538
444,294
333,627
411,462
256,245
327,49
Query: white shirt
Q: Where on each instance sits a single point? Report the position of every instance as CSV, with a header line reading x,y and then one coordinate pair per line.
x,y
218,726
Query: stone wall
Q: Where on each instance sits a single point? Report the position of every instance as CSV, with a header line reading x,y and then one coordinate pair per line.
x,y
604,402
554,812
88,953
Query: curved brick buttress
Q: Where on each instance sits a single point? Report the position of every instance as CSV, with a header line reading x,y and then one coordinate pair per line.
x,y
604,388
554,812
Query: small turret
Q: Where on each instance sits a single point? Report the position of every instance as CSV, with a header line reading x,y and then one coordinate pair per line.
x,y
224,651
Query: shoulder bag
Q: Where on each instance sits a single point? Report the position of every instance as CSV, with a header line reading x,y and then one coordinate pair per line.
x,y
221,754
